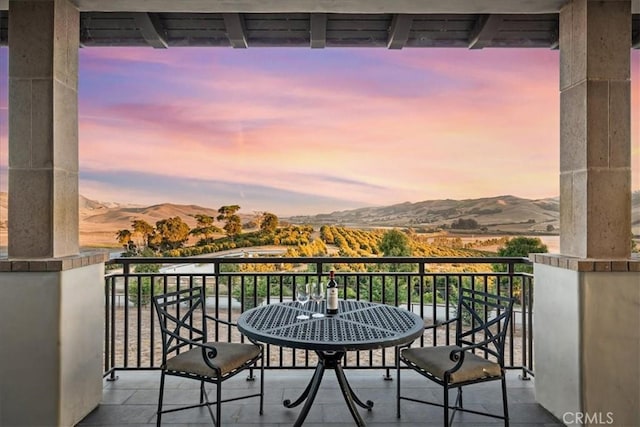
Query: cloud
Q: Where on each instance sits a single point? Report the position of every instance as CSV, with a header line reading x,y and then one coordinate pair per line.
x,y
386,128
143,188
342,126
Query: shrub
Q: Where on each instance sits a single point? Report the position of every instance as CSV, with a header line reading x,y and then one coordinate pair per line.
x,y
143,285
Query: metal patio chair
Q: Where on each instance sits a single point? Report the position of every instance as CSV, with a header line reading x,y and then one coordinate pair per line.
x,y
481,324
187,353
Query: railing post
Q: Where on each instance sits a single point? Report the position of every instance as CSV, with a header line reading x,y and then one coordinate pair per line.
x,y
110,326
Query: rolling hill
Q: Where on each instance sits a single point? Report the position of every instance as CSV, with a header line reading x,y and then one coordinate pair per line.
x,y
500,214
99,221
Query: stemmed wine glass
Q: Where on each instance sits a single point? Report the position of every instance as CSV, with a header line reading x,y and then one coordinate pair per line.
x,y
302,296
317,294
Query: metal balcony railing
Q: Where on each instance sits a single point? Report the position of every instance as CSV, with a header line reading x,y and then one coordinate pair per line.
x,y
427,286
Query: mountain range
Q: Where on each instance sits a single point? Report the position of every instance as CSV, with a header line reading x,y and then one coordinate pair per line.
x,y
99,221
500,213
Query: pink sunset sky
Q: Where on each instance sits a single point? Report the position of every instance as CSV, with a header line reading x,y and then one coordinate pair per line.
x,y
301,131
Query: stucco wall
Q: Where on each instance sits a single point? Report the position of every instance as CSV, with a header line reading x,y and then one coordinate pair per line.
x,y
557,339
587,341
51,352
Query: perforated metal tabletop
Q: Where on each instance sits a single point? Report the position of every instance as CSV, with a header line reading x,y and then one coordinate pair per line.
x,y
359,325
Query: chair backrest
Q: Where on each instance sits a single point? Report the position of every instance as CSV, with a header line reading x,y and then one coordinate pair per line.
x,y
483,317
182,319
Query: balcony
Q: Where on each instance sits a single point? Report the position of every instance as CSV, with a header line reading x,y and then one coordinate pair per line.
x,y
426,286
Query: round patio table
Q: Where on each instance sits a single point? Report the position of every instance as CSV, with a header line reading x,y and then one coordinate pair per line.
x,y
359,325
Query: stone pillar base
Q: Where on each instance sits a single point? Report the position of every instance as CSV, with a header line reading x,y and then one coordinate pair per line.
x,y
587,339
51,330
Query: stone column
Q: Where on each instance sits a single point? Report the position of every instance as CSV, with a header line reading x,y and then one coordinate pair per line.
x,y
586,301
51,309
43,129
595,129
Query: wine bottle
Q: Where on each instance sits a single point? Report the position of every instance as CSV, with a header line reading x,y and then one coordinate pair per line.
x,y
332,294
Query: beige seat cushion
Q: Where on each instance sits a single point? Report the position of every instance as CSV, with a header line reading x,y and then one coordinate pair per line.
x,y
230,356
436,361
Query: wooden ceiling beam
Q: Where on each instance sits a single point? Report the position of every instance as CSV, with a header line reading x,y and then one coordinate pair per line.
x,y
151,29
399,31
485,30
318,30
236,32
635,41
555,41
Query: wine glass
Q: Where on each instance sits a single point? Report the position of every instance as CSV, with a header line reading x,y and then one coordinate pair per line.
x,y
302,296
317,294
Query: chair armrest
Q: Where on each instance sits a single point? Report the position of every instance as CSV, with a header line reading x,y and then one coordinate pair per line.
x,y
225,322
438,324
218,320
209,350
435,325
457,355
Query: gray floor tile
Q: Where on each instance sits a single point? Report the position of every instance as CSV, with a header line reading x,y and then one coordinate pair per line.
x,y
132,400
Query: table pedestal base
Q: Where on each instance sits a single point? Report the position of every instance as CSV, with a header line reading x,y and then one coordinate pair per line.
x,y
332,360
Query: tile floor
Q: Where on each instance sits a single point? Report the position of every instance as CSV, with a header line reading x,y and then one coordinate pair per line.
x,y
132,399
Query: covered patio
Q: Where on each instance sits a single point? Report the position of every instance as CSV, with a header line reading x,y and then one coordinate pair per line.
x,y
591,288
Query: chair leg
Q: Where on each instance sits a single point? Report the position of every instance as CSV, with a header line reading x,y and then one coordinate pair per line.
x,y
201,392
219,404
504,401
160,397
397,383
446,406
459,404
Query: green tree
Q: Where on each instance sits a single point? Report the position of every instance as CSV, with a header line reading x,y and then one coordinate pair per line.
x,y
144,284
124,237
225,212
269,223
395,243
142,229
522,246
233,227
205,227
465,224
172,233
233,223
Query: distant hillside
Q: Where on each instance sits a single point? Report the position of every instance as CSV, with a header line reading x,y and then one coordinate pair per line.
x,y
502,213
99,221
96,215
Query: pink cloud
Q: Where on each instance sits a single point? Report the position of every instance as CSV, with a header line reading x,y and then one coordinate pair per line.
x,y
414,137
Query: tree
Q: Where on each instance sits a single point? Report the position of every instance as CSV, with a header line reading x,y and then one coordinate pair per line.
x,y
268,223
395,243
203,220
143,229
124,237
173,233
144,284
464,224
225,212
522,246
233,227
205,227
